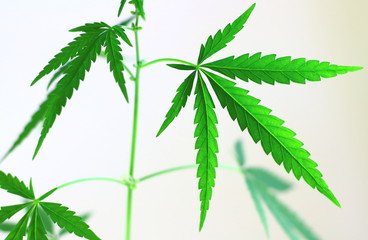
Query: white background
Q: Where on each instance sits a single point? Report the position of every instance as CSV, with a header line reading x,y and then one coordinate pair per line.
x,y
92,136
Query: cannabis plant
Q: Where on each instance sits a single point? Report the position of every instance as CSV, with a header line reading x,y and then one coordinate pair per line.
x,y
212,84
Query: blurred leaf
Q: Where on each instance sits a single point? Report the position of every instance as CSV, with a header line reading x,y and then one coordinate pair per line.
x,y
47,222
257,202
288,220
6,227
239,150
268,178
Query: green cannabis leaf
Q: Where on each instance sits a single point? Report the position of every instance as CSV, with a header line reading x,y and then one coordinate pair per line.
x,y
181,67
270,69
36,118
9,211
139,8
259,182
68,220
73,75
58,74
13,185
179,101
64,231
263,127
122,3
206,143
268,129
36,229
75,60
36,222
72,50
114,57
20,230
222,38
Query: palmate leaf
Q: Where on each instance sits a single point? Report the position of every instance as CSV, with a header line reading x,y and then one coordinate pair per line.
x,y
269,69
288,220
268,129
206,143
73,71
179,101
36,228
13,185
20,230
9,211
73,75
100,35
222,38
68,220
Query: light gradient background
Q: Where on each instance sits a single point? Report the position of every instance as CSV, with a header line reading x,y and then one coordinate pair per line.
x,y
92,137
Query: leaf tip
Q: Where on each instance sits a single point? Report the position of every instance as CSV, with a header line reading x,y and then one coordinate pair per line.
x,y
4,157
158,133
37,149
336,202
202,219
356,68
33,82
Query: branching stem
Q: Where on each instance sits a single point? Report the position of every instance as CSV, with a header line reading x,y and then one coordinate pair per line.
x,y
135,130
167,60
122,182
131,184
174,169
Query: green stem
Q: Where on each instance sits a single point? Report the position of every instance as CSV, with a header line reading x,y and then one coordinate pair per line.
x,y
122,182
134,133
225,167
167,60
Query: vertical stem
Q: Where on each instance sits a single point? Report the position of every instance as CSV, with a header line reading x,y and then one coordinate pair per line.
x,y
134,133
